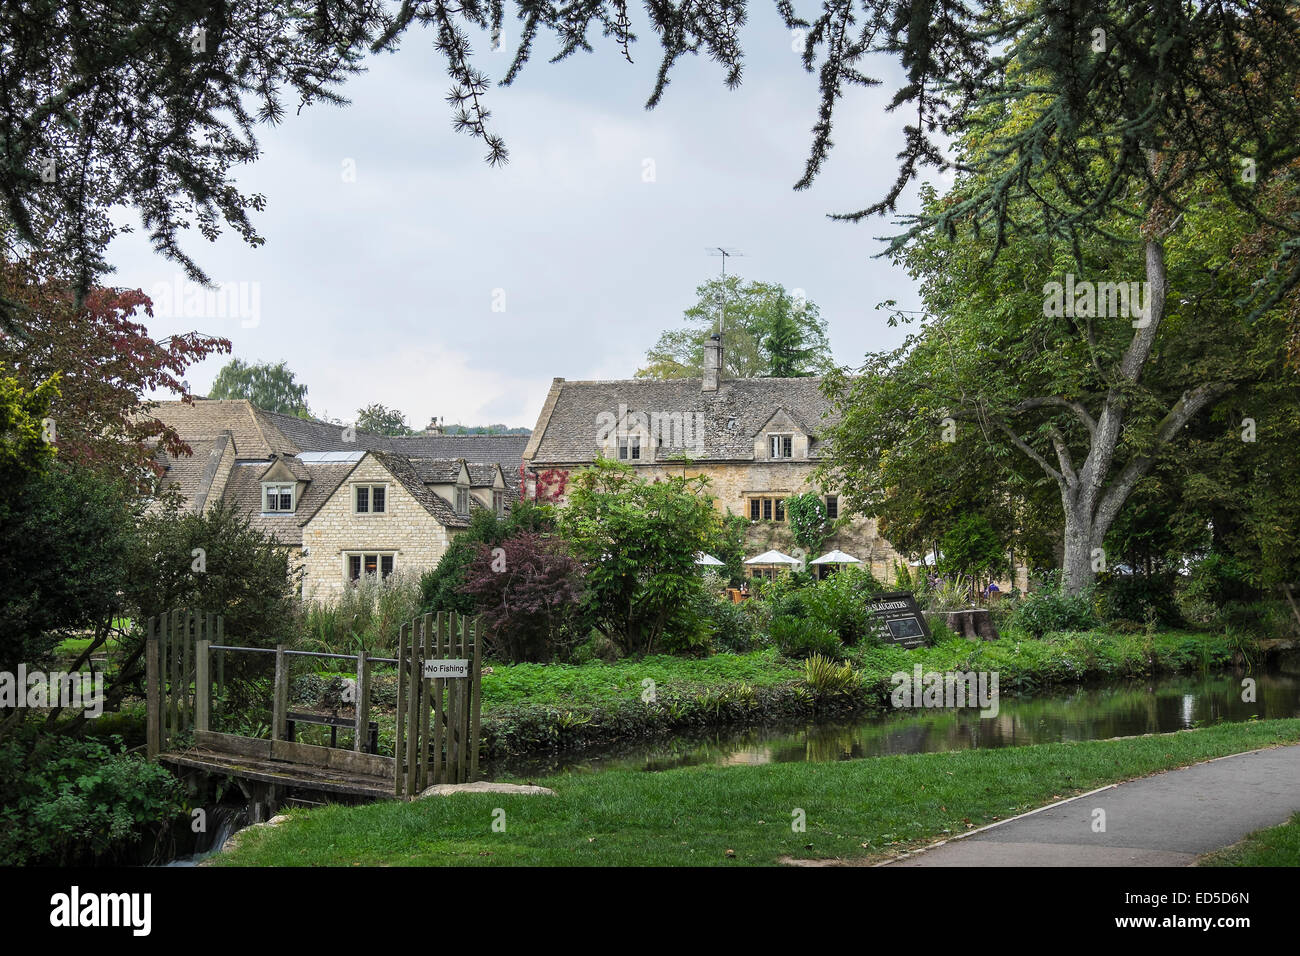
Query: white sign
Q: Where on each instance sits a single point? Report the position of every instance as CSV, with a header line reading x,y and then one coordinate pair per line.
x,y
436,667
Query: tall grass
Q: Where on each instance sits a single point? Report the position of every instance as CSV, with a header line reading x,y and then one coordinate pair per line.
x,y
366,617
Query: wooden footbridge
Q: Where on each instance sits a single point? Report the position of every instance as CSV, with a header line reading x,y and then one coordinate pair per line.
x,y
435,726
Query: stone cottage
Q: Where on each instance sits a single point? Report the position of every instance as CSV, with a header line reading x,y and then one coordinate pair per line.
x,y
344,501
758,440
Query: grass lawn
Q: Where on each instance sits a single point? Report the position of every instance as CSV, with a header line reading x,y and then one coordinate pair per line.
x,y
701,815
1276,846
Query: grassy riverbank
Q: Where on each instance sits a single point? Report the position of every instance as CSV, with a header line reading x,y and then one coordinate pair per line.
x,y
531,707
701,816
1276,846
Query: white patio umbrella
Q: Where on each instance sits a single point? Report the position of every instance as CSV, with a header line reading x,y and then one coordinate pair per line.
x,y
774,558
708,560
836,557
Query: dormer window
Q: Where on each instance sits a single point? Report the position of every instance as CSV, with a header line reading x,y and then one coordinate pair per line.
x,y
370,499
277,498
462,500
781,446
629,449
499,503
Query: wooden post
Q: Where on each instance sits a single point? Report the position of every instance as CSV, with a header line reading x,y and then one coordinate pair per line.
x,y
187,661
153,692
202,685
360,744
280,698
454,703
399,749
414,681
476,694
426,686
174,658
439,704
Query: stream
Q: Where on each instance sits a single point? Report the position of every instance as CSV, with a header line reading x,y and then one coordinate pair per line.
x,y
1076,712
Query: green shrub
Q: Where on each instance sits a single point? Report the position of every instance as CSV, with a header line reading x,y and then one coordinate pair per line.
x,y
1135,597
798,638
840,603
68,801
1051,609
734,628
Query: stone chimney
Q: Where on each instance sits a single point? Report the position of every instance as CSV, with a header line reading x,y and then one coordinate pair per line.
x,y
712,363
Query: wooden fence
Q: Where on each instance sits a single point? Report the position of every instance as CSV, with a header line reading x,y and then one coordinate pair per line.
x,y
437,717
176,668
437,725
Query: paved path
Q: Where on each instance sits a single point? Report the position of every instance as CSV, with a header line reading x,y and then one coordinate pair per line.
x,y
1165,820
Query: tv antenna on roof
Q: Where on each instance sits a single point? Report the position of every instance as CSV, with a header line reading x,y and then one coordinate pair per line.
x,y
726,252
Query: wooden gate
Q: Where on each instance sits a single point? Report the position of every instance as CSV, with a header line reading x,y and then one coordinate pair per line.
x,y
176,674
437,717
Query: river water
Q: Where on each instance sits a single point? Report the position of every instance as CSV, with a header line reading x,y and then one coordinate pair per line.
x,y
1077,713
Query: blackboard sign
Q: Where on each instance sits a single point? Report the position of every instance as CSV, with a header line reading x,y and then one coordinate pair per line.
x,y
898,620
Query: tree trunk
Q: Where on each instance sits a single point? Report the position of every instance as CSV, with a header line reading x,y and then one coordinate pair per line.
x,y
1076,566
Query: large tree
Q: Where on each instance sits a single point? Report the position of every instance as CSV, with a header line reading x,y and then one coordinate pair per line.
x,y
152,105
637,541
269,386
766,331
106,365
382,420
1044,373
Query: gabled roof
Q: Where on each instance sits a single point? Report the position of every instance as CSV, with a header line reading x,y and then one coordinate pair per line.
x,y
206,419
729,419
402,469
244,492
193,476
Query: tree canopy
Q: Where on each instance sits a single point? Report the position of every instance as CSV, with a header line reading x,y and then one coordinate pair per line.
x,y
267,386
767,331
382,420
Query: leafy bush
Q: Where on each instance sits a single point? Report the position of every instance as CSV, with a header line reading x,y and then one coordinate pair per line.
x,y
1135,597
839,603
734,628
528,589
807,515
1219,579
67,801
798,638
1051,609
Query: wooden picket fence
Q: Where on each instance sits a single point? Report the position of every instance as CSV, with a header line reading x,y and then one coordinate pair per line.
x,y
437,718
437,725
176,667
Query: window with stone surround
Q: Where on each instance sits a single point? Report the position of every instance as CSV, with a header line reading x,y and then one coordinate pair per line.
x,y
277,497
765,508
370,499
462,500
358,564
832,507
780,446
499,503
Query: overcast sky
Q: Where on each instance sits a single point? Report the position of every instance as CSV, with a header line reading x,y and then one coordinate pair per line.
x,y
593,236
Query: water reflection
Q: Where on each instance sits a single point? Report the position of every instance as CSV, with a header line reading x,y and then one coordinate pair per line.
x,y
1080,713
